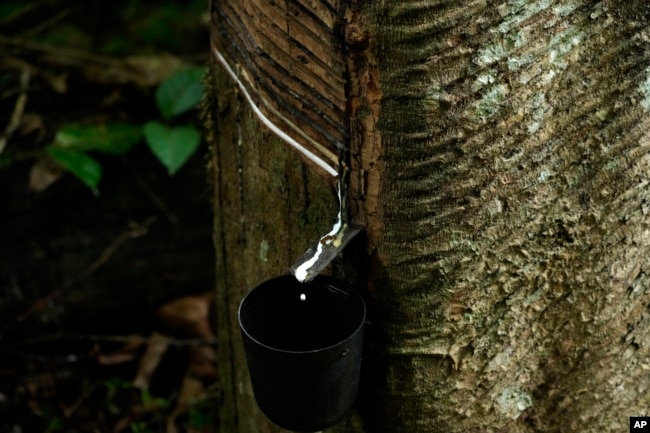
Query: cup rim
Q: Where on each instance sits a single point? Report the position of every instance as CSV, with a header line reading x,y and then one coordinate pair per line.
x,y
353,291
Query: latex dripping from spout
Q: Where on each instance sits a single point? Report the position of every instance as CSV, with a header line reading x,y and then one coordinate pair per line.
x,y
324,250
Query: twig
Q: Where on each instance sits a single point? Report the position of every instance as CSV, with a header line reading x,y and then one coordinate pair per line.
x,y
143,71
40,304
86,392
184,342
134,231
19,108
155,199
42,14
49,22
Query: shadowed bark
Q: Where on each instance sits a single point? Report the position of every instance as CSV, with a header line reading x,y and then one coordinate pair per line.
x,y
499,155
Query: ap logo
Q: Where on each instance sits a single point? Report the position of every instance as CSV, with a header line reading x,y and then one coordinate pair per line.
x,y
639,424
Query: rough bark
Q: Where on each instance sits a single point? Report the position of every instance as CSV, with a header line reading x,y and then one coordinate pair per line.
x,y
500,165
269,208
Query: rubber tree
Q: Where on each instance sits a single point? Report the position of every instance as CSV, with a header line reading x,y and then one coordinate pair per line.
x,y
499,155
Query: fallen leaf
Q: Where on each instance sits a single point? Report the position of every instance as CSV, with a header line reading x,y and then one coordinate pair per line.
x,y
58,82
203,363
44,173
188,316
32,123
135,413
156,348
126,353
191,390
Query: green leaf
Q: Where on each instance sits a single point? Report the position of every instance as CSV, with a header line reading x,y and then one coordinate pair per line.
x,y
180,92
112,138
151,402
54,424
200,416
172,146
81,165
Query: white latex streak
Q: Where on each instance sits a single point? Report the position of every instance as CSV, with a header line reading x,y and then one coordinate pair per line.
x,y
302,271
266,121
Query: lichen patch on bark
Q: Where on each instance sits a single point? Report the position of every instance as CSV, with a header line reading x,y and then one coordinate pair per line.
x,y
513,208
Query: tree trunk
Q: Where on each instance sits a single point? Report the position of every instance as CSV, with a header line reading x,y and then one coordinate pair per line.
x,y
499,163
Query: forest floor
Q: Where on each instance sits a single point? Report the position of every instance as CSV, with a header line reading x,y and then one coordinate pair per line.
x,y
106,260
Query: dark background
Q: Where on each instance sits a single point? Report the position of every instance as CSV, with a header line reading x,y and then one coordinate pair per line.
x,y
85,278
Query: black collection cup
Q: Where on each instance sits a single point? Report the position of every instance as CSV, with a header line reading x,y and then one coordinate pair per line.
x,y
303,344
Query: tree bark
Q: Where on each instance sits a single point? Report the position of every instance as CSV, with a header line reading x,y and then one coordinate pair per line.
x,y
500,166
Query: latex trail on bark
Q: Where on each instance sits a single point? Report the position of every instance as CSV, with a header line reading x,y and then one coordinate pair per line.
x,y
287,61
319,255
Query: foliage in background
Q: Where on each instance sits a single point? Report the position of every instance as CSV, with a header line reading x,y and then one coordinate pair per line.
x,y
117,28
83,84
121,28
172,145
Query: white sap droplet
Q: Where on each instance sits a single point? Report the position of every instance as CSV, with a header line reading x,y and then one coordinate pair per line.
x,y
303,297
